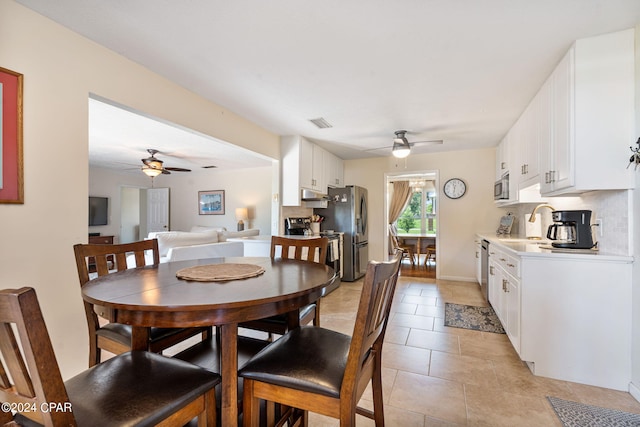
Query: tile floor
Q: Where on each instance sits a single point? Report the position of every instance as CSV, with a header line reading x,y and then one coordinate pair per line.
x,y
440,376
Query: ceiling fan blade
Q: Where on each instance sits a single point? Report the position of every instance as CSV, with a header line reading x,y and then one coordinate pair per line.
x,y
433,142
165,171
177,169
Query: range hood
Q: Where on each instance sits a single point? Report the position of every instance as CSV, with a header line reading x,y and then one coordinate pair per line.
x,y
313,196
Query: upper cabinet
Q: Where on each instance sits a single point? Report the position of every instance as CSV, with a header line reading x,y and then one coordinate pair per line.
x,y
335,170
306,165
575,134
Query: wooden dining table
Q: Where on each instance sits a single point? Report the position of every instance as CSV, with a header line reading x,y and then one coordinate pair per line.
x,y
430,238
153,296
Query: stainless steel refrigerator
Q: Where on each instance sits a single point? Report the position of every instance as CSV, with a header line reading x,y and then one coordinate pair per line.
x,y
346,211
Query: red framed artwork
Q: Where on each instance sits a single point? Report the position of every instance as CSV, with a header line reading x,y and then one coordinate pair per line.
x,y
11,163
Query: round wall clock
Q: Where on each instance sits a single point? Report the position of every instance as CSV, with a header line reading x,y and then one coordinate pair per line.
x,y
454,188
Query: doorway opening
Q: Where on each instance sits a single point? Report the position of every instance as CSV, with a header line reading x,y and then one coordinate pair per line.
x,y
412,219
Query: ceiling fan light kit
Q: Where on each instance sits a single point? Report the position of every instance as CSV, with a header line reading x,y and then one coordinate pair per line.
x,y
151,171
153,167
401,147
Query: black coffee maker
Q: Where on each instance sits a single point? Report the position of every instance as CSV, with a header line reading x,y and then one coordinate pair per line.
x,y
572,230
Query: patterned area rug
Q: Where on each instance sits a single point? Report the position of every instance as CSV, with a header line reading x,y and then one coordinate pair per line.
x,y
573,414
469,317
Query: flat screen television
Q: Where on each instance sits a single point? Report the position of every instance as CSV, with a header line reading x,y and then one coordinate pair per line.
x,y
98,210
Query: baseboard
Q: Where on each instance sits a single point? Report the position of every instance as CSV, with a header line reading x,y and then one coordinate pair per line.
x,y
458,279
634,391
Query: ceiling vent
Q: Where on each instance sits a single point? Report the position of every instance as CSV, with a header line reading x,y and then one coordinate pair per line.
x,y
321,123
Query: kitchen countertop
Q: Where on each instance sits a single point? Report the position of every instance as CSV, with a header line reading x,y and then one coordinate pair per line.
x,y
542,248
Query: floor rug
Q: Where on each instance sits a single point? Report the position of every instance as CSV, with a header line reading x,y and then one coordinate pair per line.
x,y
469,317
573,414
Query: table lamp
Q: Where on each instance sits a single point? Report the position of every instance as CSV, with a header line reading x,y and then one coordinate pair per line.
x,y
241,215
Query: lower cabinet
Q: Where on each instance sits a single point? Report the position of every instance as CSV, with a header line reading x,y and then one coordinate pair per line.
x,y
504,294
568,316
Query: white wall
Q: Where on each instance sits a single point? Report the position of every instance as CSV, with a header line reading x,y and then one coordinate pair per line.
x,y
458,220
60,70
635,233
250,188
107,183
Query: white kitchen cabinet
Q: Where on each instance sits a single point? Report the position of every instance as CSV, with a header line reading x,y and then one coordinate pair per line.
x,y
576,319
575,134
502,157
306,165
567,314
478,246
334,167
504,293
530,131
592,117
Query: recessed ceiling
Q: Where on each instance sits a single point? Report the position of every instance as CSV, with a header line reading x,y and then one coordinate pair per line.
x,y
461,71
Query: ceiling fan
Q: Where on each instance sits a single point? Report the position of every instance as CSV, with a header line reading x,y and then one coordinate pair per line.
x,y
402,147
153,167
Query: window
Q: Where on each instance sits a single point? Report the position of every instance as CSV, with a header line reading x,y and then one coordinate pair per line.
x,y
419,217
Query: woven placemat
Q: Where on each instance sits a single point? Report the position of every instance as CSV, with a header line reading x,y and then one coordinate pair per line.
x,y
219,272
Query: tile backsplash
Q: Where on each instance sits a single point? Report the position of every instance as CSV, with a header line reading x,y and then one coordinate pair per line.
x,y
610,206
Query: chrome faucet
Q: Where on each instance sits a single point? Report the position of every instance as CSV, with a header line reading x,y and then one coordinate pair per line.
x,y
543,205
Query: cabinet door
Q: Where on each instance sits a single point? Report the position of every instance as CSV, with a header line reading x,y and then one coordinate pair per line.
x,y
318,181
335,169
512,307
495,285
561,174
478,261
306,164
502,166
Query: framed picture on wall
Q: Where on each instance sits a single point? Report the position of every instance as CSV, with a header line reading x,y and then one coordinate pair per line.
x,y
11,165
211,202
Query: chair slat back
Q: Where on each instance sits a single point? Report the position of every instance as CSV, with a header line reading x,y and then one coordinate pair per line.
x,y
371,321
316,249
34,369
101,255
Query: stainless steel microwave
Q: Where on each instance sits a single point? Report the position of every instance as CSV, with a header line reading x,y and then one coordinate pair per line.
x,y
501,188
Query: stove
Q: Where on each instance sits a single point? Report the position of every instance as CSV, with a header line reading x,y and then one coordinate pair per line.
x,y
297,226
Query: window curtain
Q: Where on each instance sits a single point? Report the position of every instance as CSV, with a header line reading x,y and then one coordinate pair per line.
x,y
401,192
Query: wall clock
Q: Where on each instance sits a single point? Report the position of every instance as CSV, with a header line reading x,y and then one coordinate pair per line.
x,y
454,188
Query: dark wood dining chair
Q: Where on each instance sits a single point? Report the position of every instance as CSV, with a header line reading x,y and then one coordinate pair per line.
x,y
135,388
312,250
320,370
116,337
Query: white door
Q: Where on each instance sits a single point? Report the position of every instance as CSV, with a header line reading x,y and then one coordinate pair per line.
x,y
155,211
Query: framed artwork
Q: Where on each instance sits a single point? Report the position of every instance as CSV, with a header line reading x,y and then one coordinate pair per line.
x,y
211,202
11,162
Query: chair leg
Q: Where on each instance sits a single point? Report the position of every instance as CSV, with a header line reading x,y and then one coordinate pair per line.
x,y
376,385
316,314
94,353
250,406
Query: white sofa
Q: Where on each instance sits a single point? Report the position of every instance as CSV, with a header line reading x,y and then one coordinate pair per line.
x,y
200,242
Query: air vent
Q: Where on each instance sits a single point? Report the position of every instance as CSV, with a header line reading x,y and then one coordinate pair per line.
x,y
321,123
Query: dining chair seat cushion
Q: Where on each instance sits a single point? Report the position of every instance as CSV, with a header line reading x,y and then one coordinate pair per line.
x,y
308,358
206,353
117,384
122,333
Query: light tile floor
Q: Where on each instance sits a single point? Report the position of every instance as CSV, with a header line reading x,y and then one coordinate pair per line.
x,y
441,376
